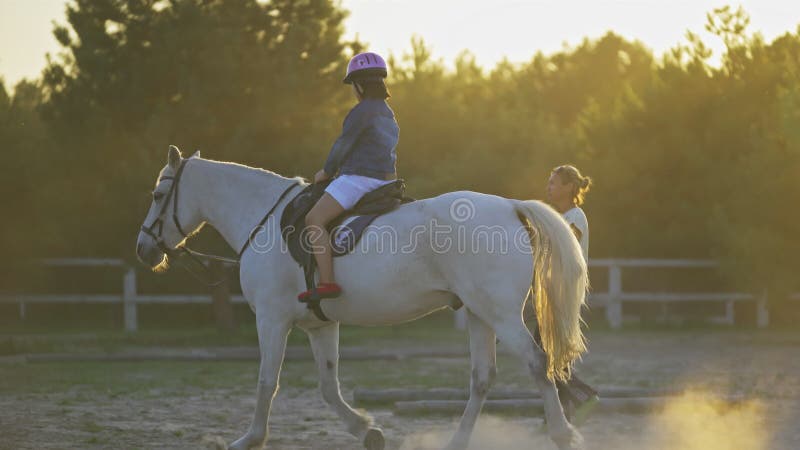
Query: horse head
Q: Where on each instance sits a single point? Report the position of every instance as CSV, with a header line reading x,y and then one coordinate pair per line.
x,y
169,221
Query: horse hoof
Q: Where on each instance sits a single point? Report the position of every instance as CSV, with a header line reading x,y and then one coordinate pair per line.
x,y
574,442
373,440
247,442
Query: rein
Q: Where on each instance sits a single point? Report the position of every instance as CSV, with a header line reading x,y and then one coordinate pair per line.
x,y
195,256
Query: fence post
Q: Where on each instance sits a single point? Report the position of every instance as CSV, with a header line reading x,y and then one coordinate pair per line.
x,y
614,307
730,313
129,299
762,313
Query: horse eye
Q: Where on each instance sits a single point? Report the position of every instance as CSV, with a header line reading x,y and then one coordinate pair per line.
x,y
157,196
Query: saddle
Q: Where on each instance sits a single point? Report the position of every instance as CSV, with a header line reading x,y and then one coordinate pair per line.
x,y
345,230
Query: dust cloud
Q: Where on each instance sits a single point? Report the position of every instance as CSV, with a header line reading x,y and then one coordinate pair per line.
x,y
695,420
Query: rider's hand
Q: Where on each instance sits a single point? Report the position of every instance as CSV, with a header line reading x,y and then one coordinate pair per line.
x,y
320,176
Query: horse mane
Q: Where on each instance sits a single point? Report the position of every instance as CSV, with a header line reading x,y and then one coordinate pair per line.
x,y
256,171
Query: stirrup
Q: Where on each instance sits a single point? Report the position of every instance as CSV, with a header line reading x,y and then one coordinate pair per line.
x,y
323,290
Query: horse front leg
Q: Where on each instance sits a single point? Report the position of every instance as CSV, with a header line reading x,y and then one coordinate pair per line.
x,y
482,350
272,345
325,345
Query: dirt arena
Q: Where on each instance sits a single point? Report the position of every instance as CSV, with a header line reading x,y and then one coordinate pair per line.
x,y
190,405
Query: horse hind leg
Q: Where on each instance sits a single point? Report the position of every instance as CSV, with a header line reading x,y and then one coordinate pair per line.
x,y
325,345
482,350
513,333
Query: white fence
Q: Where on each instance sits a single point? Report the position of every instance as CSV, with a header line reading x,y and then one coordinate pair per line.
x,y
129,297
612,301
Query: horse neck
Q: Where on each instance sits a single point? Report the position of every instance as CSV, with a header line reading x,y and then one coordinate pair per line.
x,y
234,198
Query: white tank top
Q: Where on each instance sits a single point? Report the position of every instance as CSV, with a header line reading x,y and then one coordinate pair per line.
x,y
577,218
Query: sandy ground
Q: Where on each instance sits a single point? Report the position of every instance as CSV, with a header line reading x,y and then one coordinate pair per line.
x,y
764,367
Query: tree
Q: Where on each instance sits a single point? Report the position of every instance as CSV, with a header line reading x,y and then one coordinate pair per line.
x,y
689,160
251,81
25,166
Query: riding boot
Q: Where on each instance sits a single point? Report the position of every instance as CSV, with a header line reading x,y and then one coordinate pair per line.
x,y
577,398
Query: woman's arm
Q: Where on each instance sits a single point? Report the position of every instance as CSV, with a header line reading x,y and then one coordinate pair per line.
x,y
575,230
577,222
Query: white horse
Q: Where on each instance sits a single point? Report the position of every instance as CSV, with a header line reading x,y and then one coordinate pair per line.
x,y
484,251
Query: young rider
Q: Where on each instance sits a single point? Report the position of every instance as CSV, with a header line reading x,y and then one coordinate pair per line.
x,y
363,156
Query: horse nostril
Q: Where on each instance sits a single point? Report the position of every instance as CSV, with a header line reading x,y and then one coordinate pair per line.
x,y
139,248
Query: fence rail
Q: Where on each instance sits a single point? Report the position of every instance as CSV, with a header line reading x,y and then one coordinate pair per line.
x,y
612,300
129,297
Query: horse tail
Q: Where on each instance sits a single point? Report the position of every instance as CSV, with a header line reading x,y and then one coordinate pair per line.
x,y
559,286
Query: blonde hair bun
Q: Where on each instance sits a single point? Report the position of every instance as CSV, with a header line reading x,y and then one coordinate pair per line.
x,y
570,174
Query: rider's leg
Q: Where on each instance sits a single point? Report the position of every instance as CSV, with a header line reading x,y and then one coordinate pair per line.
x,y
326,209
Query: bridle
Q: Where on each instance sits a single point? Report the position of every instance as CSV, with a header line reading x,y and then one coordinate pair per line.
x,y
172,194
159,221
197,257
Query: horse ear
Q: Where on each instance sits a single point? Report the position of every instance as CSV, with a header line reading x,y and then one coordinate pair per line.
x,y
174,156
196,154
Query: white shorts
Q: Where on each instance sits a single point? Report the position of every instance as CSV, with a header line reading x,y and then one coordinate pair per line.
x,y
347,190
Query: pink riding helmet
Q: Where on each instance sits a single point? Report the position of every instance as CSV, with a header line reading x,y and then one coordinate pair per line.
x,y
368,63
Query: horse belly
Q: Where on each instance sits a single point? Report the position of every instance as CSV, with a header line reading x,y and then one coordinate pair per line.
x,y
382,289
354,309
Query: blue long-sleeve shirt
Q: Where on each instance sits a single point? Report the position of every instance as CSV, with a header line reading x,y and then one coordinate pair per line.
x,y
368,143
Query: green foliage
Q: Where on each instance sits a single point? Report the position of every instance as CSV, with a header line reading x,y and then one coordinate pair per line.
x,y
249,81
25,161
689,160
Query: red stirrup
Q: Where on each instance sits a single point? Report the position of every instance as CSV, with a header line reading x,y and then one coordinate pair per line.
x,y
324,290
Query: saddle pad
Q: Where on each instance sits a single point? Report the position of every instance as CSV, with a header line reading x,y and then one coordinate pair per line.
x,y
373,204
345,236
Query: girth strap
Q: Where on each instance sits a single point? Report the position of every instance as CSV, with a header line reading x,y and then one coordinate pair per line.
x,y
313,302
